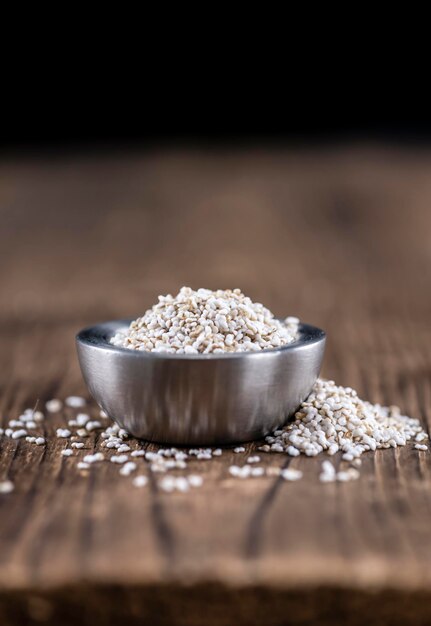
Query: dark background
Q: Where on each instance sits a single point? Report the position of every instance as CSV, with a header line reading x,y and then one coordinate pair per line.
x,y
148,129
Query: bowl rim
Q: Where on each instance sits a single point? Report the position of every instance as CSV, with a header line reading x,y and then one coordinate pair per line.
x,y
97,337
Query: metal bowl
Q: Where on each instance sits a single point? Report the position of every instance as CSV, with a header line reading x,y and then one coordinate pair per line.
x,y
204,399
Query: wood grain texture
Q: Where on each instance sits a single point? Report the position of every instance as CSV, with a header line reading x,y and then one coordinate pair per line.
x,y
339,237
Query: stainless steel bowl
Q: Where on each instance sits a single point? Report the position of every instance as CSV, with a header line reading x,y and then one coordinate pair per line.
x,y
198,399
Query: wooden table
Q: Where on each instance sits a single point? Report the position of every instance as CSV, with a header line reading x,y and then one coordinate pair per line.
x,y
338,236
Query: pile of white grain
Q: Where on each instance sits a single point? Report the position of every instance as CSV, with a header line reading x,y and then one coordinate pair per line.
x,y
332,420
205,321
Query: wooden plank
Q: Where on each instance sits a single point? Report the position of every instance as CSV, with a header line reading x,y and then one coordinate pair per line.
x,y
338,237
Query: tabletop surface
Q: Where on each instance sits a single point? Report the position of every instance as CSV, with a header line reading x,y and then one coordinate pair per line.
x,y
340,237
